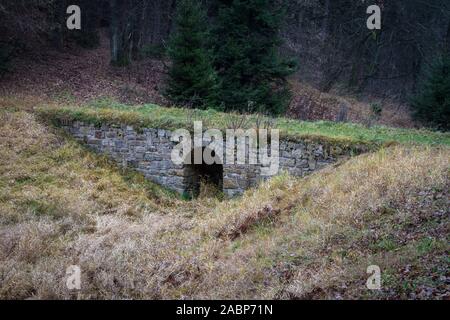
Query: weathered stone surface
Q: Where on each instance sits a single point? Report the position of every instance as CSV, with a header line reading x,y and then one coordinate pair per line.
x,y
312,163
287,162
149,152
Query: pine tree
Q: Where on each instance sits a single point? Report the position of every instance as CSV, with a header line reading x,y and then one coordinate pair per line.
x,y
432,104
192,79
246,46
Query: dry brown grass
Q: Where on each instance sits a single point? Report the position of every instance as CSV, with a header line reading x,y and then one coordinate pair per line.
x,y
321,242
290,238
53,192
309,103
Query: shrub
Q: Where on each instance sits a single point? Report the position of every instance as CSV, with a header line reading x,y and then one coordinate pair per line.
x,y
431,106
154,51
87,39
5,58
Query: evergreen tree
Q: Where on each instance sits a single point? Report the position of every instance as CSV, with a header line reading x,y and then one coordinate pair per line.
x,y
246,46
432,104
192,79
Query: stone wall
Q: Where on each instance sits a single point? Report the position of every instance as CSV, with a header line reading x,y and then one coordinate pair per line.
x,y
149,152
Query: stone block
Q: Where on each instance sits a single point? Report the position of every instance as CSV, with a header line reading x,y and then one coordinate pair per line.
x,y
287,162
230,183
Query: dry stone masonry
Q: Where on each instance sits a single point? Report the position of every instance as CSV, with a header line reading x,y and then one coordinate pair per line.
x,y
149,151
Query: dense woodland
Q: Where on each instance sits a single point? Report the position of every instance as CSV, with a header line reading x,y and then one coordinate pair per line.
x,y
239,53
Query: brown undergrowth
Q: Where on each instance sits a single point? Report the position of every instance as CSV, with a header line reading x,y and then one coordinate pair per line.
x,y
61,205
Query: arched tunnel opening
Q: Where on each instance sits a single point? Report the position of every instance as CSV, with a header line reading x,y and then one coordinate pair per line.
x,y
203,179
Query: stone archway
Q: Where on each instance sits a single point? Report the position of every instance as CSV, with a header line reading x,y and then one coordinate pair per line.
x,y
198,176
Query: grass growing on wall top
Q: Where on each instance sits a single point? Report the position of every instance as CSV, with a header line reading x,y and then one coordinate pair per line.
x,y
345,134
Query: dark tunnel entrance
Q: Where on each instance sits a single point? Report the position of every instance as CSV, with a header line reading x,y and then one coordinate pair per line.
x,y
203,179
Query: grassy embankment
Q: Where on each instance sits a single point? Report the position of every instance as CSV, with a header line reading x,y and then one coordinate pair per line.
x,y
343,134
289,238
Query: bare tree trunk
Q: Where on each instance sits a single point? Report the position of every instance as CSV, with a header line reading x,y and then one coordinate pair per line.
x,y
115,36
447,41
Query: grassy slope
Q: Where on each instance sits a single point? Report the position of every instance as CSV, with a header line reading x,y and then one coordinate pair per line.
x,y
290,238
345,134
315,238
51,192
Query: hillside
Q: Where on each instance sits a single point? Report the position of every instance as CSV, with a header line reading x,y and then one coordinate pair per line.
x,y
98,201
80,76
290,238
